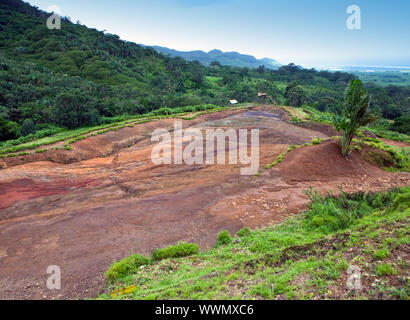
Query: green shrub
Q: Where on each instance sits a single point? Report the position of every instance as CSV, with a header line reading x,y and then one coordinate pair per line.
x,y
295,119
402,202
126,267
381,254
401,125
292,147
400,160
330,213
342,266
316,141
224,238
385,270
27,128
372,140
178,251
244,232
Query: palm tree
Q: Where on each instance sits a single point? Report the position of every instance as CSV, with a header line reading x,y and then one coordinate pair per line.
x,y
356,113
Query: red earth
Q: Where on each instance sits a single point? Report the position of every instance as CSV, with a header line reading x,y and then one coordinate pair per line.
x,y
105,199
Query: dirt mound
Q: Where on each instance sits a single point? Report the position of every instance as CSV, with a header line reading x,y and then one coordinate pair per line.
x,y
323,162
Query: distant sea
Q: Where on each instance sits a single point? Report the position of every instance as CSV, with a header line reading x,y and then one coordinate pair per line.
x,y
363,68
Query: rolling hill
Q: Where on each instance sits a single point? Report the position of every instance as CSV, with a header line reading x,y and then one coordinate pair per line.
x,y
233,59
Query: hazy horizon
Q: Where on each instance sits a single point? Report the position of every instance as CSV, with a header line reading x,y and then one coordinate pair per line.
x,y
310,34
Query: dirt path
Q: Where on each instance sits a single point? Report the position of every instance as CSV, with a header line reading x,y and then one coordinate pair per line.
x,y
296,113
400,144
110,200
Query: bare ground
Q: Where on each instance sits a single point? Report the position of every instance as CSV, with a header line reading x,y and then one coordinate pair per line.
x,y
105,200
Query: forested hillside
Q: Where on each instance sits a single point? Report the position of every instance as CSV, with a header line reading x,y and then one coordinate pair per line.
x,y
79,76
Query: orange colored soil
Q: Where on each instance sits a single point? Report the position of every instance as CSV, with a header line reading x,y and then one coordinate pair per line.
x,y
105,200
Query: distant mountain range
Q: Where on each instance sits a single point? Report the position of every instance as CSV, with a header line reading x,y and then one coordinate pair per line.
x,y
234,59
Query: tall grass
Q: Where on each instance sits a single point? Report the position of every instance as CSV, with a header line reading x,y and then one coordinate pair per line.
x,y
330,213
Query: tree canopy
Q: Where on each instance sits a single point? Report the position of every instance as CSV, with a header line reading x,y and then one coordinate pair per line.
x,y
78,76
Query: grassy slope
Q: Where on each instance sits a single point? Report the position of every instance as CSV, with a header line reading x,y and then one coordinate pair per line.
x,y
306,257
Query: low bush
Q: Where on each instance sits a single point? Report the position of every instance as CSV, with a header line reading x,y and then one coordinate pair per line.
x,y
381,254
385,270
244,232
329,214
224,238
316,141
402,202
399,161
126,267
178,251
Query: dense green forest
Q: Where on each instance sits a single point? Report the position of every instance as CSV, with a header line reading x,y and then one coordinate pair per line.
x,y
77,76
385,78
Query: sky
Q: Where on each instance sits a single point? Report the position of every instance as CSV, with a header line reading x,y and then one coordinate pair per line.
x,y
311,33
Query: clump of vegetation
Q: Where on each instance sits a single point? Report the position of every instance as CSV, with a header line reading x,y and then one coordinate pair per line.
x,y
331,213
383,128
385,270
316,141
27,128
402,202
126,266
224,238
381,254
401,125
295,119
295,95
392,160
356,114
178,251
244,232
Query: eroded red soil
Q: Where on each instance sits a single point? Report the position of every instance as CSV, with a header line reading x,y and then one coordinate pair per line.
x,y
105,200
